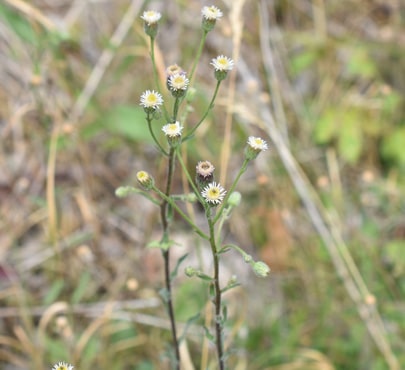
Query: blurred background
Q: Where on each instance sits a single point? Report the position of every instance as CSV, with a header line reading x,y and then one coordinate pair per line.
x,y
322,81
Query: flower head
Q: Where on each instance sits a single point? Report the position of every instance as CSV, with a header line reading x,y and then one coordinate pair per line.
x,y
173,133
222,65
204,173
151,17
255,145
205,169
211,13
213,193
62,366
210,16
151,100
178,84
145,179
172,129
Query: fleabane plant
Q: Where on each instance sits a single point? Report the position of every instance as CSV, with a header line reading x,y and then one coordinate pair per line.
x,y
169,132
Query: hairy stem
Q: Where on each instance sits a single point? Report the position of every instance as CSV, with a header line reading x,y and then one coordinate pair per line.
x,y
166,257
217,293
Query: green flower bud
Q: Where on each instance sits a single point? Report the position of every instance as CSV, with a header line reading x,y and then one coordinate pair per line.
x,y
261,269
190,271
234,199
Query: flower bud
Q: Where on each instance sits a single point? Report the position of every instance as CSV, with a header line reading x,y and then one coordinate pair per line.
x,y
190,271
234,199
261,269
145,180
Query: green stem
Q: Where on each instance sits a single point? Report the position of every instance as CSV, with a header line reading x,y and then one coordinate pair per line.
x,y
181,213
155,73
217,292
166,257
176,108
210,106
198,55
231,189
190,180
149,120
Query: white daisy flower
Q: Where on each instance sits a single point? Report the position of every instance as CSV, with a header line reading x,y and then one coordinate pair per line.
x,y
178,81
62,366
257,143
213,193
222,63
211,13
151,17
172,130
151,99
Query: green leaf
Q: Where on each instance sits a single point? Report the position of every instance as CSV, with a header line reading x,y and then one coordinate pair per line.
x,y
393,146
176,269
304,60
208,335
127,121
204,277
229,287
193,319
20,25
327,126
81,288
361,63
350,140
161,244
164,293
394,252
54,291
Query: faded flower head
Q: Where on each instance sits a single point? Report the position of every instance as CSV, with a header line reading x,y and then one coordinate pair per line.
x,y
210,15
62,366
255,145
213,193
205,169
173,69
151,101
178,84
145,180
204,173
151,17
222,65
